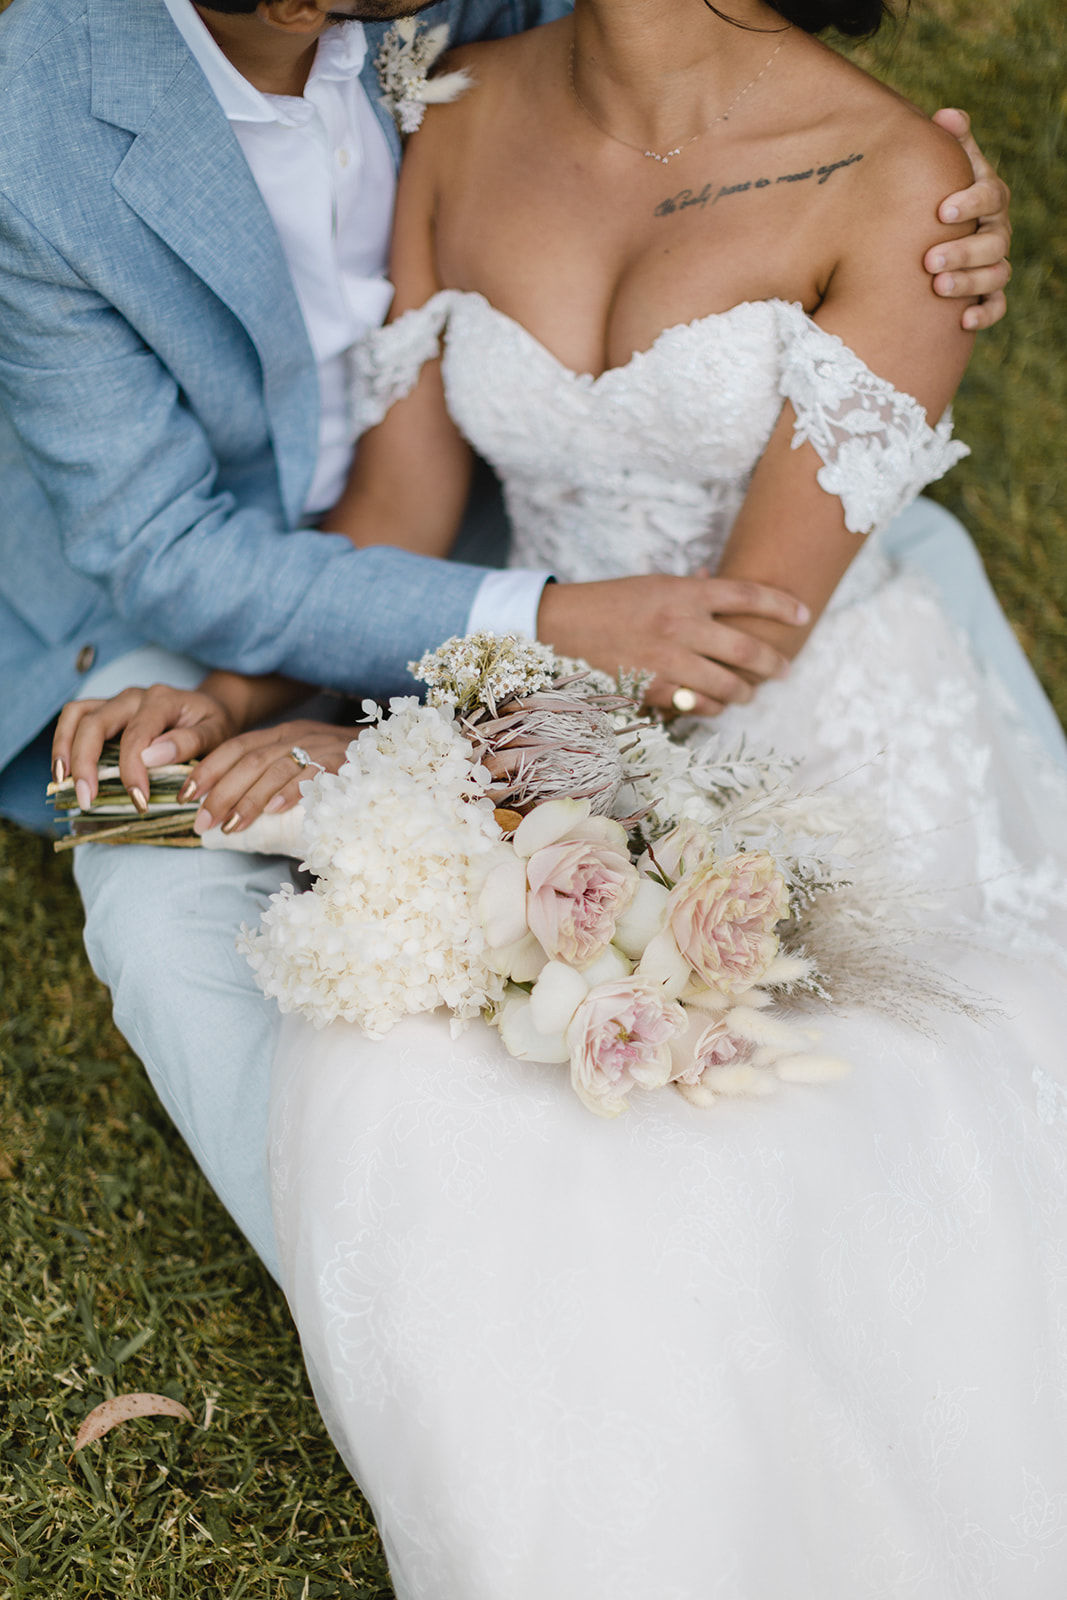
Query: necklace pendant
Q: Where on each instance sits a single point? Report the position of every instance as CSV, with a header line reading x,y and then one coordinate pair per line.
x,y
667,156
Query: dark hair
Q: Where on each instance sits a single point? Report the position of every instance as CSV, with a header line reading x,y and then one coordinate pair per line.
x,y
860,18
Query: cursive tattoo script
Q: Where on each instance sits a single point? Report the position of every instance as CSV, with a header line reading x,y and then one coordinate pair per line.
x,y
710,195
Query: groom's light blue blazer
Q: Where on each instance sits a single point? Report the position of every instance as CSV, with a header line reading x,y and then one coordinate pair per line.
x,y
158,394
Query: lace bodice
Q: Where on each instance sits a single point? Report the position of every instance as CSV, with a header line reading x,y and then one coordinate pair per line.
x,y
644,467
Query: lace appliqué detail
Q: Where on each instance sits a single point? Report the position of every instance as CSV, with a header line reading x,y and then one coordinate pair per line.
x,y
386,364
877,447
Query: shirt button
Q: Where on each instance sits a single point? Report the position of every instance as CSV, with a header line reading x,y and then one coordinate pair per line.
x,y
85,657
342,157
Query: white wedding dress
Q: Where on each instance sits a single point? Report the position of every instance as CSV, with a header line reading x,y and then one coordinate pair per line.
x,y
810,1347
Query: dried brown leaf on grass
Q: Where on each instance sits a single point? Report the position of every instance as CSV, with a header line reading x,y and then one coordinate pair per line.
x,y
120,1408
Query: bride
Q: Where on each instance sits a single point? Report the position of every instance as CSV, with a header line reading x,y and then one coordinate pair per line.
x,y
806,1348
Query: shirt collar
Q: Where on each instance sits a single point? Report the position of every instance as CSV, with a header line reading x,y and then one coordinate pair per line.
x,y
340,54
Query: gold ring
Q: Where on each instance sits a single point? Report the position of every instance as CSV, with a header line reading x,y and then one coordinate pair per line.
x,y
684,700
298,754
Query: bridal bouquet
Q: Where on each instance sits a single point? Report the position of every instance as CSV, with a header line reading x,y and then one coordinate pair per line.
x,y
525,847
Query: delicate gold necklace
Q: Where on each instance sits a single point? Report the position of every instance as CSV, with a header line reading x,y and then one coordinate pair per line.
x,y
668,155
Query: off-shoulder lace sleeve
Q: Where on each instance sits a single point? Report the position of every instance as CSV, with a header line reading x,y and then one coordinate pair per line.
x,y
386,364
877,448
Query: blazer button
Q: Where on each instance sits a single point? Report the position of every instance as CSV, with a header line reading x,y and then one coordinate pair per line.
x,y
85,657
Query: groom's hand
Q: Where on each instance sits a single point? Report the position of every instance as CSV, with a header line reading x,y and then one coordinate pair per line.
x,y
977,264
674,628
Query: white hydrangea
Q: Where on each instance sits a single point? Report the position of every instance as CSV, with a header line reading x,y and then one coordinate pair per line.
x,y
399,839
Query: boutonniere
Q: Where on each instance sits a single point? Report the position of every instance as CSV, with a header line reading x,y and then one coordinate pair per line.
x,y
407,53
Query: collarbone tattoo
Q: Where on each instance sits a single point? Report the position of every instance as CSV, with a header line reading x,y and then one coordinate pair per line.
x,y
710,195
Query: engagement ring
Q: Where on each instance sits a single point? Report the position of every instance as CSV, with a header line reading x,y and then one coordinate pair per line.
x,y
684,700
302,759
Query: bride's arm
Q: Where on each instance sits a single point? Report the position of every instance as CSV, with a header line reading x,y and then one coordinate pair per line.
x,y
411,474
879,301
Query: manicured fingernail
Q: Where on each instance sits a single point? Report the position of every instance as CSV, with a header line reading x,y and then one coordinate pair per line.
x,y
783,670
232,823
137,796
970,319
939,262
950,213
81,791
60,770
947,284
803,614
160,754
277,802
187,791
204,821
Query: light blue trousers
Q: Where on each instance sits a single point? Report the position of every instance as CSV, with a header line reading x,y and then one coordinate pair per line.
x,y
160,925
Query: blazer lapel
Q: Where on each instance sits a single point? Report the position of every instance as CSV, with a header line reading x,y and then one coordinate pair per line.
x,y
186,178
375,32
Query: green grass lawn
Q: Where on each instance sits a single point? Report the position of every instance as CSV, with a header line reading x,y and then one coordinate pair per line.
x,y
119,1269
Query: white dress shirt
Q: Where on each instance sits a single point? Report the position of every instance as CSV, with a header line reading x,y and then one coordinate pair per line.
x,y
325,171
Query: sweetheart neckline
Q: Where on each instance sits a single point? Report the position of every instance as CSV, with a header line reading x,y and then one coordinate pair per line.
x,y
590,379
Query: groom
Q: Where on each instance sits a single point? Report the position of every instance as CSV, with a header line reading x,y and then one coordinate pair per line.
x,y
194,210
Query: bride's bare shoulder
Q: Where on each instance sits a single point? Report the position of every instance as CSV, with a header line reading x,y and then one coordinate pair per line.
x,y
903,151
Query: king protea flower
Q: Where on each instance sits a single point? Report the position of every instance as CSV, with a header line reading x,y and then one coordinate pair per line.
x,y
549,745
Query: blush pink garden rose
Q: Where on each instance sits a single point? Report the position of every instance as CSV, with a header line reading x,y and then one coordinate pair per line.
x,y
707,1043
566,886
620,1038
689,846
723,918
576,892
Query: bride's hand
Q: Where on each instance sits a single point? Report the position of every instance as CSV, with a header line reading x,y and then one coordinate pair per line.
x,y
674,628
159,726
978,263
257,772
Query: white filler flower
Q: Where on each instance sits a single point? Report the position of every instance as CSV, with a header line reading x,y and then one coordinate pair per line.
x,y
400,839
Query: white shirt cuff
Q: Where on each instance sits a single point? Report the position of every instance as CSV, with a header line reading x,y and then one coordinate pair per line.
x,y
507,602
